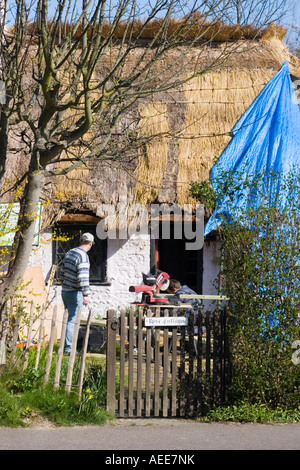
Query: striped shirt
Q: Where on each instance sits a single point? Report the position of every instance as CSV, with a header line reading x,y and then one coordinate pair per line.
x,y
75,271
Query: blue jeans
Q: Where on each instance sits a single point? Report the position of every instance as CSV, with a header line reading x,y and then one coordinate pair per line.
x,y
72,302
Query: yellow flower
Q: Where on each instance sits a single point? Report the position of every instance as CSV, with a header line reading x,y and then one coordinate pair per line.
x,y
91,396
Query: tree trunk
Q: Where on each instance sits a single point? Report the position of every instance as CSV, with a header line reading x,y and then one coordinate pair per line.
x,y
24,236
3,147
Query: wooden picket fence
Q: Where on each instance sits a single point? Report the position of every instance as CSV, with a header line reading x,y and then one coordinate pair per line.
x,y
10,336
165,370
160,371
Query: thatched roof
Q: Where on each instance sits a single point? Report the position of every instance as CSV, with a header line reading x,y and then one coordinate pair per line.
x,y
200,115
193,124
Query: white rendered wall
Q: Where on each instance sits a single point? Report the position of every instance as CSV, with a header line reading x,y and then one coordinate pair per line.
x,y
126,261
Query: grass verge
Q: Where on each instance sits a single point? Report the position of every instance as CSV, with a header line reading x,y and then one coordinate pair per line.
x,y
23,399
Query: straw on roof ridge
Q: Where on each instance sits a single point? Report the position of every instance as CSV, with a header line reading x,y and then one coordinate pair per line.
x,y
195,27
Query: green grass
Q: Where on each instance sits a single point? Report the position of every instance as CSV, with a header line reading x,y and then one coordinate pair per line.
x,y
23,398
245,412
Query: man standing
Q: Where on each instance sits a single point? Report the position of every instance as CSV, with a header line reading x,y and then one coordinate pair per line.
x,y
75,276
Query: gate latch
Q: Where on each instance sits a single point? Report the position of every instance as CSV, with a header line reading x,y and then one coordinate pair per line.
x,y
114,323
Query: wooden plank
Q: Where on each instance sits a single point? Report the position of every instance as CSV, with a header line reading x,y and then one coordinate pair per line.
x,y
40,336
61,349
174,370
217,350
204,297
130,363
165,369
225,353
16,326
182,374
29,336
190,381
50,347
4,332
199,387
83,355
140,345
149,351
111,364
122,363
157,357
207,389
73,352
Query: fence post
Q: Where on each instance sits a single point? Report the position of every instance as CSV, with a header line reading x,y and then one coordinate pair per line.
x,y
50,347
61,349
111,361
3,335
73,352
83,354
29,333
39,345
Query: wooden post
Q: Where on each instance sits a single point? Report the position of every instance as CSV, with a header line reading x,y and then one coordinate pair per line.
x,y
217,357
174,368
4,332
29,333
38,352
111,361
140,346
165,368
157,358
16,326
61,348
199,385
149,352
122,363
83,354
130,363
73,352
50,347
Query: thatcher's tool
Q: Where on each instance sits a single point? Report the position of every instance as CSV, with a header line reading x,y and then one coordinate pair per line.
x,y
153,284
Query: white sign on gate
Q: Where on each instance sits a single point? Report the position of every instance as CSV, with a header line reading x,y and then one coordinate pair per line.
x,y
166,321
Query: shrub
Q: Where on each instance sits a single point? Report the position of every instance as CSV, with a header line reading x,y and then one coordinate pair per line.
x,y
260,241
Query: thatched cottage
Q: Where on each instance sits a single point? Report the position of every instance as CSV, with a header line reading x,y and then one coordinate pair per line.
x,y
193,125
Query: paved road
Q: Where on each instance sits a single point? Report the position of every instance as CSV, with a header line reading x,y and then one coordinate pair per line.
x,y
151,434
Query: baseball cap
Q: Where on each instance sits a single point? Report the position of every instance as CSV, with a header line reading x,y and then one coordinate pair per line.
x,y
87,237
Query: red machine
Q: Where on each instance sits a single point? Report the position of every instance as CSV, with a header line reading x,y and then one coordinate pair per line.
x,y
151,287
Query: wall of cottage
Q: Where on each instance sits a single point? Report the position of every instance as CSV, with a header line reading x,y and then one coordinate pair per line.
x,y
126,261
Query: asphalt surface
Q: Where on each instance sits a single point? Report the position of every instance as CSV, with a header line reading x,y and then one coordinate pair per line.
x,y
152,435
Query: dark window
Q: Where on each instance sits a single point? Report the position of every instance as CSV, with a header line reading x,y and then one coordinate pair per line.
x,y
67,237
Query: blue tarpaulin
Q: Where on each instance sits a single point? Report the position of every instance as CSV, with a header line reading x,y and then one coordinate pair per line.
x,y
267,137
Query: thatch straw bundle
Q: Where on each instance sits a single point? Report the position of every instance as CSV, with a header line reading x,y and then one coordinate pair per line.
x,y
195,27
214,104
71,184
153,160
